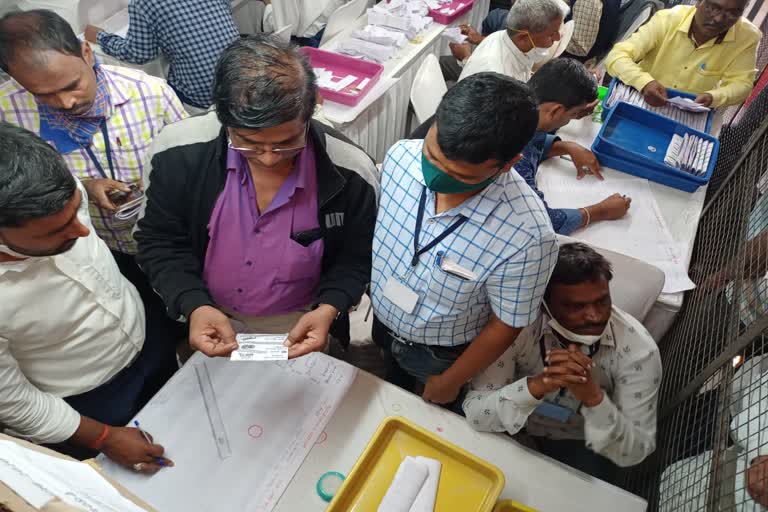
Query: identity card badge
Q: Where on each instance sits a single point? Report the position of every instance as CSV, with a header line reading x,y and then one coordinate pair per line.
x,y
400,295
260,347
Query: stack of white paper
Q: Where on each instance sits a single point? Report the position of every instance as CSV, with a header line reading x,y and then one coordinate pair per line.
x,y
39,478
408,17
454,34
381,35
414,487
367,50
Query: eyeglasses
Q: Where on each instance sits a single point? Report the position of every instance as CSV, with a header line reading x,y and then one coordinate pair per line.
x,y
258,150
716,10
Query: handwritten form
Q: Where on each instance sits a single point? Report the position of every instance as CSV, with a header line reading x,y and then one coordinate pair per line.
x,y
273,413
641,234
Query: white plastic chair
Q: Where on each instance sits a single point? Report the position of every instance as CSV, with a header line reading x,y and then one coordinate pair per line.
x,y
428,88
287,12
635,285
342,18
283,34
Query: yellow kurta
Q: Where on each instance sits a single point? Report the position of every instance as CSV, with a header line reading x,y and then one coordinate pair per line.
x,y
662,50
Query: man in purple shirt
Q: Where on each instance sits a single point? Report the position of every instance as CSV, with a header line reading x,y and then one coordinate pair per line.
x,y
256,212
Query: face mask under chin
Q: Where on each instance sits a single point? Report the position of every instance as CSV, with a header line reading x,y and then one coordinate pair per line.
x,y
582,339
443,183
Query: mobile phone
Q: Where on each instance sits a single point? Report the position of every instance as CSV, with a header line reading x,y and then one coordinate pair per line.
x,y
120,198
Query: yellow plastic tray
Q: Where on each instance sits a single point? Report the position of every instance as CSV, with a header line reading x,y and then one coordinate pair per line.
x,y
511,506
467,483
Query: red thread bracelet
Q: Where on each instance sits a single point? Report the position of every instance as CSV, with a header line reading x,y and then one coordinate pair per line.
x,y
96,445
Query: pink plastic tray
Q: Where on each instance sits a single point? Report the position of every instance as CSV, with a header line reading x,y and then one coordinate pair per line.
x,y
343,65
447,19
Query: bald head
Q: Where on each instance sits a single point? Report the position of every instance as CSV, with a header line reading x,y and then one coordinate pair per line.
x,y
40,51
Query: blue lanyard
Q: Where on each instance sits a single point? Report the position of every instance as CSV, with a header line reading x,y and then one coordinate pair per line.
x,y
417,232
108,148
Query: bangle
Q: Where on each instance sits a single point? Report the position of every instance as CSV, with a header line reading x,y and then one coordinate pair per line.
x,y
589,217
96,445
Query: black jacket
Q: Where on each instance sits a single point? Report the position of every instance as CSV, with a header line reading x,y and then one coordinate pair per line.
x,y
188,174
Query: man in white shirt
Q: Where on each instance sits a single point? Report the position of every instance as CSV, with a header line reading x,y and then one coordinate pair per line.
x,y
533,26
75,363
583,379
314,16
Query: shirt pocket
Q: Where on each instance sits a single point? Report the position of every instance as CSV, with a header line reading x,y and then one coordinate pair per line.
x,y
301,264
451,295
708,78
130,155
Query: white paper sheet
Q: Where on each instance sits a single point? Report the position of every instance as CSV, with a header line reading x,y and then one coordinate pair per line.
x,y
273,415
339,114
425,501
641,234
38,478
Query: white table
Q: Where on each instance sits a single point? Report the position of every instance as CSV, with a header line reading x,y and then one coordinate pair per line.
x,y
383,123
531,478
681,211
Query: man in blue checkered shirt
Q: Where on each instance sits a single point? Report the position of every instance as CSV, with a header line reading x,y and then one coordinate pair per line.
x,y
463,248
190,33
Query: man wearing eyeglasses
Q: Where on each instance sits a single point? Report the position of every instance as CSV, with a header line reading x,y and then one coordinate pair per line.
x,y
256,213
708,50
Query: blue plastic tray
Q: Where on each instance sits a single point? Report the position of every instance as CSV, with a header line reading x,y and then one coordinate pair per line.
x,y
671,93
634,141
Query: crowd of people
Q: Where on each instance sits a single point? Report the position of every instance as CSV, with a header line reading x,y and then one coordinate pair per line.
x,y
252,216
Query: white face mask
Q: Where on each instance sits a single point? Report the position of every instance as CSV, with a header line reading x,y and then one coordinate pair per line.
x,y
538,54
584,339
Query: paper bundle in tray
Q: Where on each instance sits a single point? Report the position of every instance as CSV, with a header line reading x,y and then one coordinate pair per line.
x,y
340,78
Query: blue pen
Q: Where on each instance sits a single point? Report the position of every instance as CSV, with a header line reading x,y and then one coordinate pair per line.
x,y
702,66
159,460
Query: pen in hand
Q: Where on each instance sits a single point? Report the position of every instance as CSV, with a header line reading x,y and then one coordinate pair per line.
x,y
159,460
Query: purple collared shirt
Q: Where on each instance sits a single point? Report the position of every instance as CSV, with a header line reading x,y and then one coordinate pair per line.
x,y
252,266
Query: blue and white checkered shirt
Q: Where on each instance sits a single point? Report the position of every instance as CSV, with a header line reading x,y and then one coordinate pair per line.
x,y
507,241
191,33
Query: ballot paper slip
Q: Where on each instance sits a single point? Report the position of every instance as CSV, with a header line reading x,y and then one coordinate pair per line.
x,y
679,110
414,488
270,418
689,153
260,347
39,478
642,233
454,34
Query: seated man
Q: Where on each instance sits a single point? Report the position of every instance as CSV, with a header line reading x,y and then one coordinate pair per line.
x,y
311,28
451,64
532,27
463,248
258,213
78,358
191,34
102,119
566,91
708,50
582,379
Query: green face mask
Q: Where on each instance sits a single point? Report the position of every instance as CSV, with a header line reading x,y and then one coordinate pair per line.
x,y
439,181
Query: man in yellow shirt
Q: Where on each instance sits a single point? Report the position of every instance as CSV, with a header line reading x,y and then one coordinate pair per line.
x,y
708,50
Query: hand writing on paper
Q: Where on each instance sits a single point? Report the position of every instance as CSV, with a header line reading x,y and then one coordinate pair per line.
x,y
655,94
612,207
210,332
440,390
310,334
127,447
757,480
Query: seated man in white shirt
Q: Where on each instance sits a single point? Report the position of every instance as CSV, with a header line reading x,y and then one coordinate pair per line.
x,y
533,26
311,28
582,379
77,360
